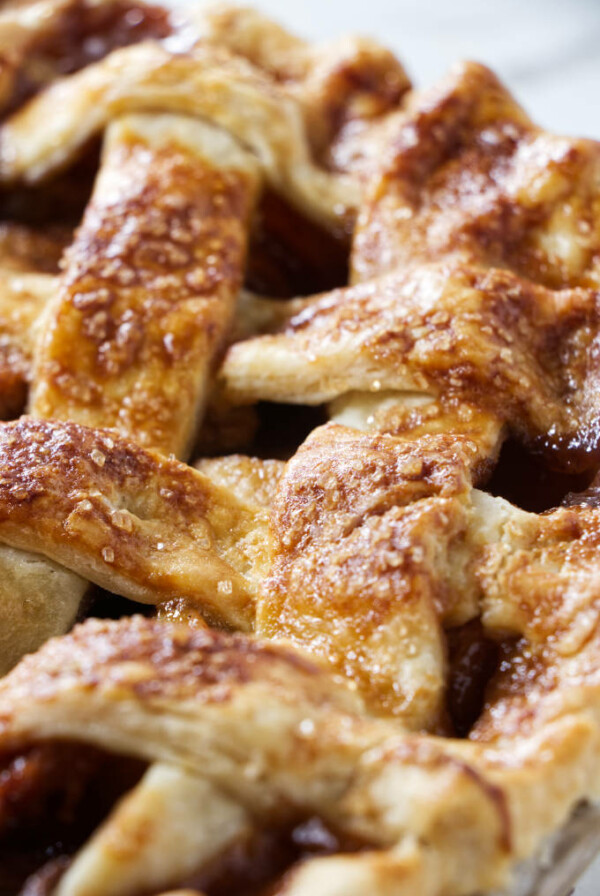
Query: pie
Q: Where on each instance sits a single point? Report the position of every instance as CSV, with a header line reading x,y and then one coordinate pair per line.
x,y
299,489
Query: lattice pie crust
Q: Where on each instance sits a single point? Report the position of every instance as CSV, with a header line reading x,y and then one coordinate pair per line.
x,y
299,665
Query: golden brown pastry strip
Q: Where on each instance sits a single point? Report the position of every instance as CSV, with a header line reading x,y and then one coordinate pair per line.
x,y
226,705
189,673
172,824
137,523
467,176
486,338
368,559
250,479
148,321
343,87
208,83
150,283
41,40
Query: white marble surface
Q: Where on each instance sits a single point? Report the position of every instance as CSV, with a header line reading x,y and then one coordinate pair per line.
x,y
548,51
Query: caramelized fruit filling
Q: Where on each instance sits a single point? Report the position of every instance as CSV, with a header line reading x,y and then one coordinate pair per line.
x,y
473,660
51,798
524,478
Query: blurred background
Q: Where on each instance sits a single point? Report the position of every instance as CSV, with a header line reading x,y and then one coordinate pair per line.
x,y
546,51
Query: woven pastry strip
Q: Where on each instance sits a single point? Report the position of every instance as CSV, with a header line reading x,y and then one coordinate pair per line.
x,y
471,314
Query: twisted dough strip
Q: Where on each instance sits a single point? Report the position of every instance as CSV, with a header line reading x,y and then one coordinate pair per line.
x,y
166,693
374,540
279,735
486,338
345,88
130,520
206,82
